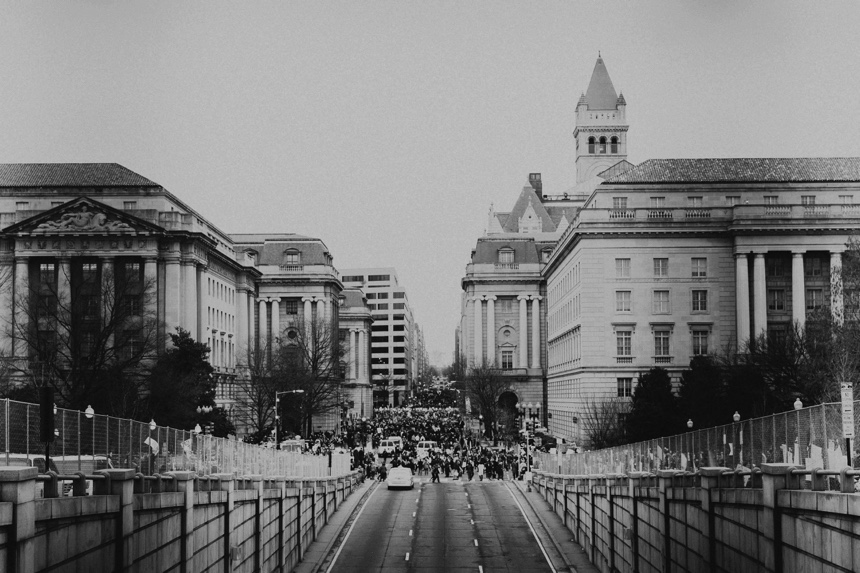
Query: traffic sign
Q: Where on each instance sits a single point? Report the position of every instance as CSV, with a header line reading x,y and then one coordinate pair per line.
x,y
847,410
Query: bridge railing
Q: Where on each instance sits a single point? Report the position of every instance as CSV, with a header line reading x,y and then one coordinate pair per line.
x,y
810,437
89,443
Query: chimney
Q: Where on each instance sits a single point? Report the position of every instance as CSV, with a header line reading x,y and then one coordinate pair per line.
x,y
534,181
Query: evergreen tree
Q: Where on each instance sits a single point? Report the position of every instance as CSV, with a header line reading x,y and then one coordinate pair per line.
x,y
702,395
654,409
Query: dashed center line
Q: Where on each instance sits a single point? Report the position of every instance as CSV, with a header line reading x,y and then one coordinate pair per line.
x,y
410,533
476,543
413,514
407,556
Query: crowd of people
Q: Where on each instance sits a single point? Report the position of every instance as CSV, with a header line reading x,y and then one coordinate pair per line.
x,y
458,455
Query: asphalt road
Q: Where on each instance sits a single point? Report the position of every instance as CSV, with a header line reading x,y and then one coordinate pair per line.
x,y
450,526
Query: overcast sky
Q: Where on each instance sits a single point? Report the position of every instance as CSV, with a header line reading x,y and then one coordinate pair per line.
x,y
388,128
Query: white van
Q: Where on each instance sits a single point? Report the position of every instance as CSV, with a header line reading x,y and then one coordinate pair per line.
x,y
426,447
389,444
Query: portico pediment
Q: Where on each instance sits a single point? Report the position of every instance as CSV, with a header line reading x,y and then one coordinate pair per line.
x,y
83,216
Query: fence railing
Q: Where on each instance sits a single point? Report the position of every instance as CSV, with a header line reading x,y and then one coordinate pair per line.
x,y
88,443
810,437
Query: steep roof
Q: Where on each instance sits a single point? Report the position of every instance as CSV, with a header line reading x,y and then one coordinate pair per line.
x,y
601,93
524,247
70,175
353,298
270,249
527,197
742,170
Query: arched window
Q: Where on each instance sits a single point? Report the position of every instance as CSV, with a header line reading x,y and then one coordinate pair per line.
x,y
613,145
506,256
292,257
602,147
591,145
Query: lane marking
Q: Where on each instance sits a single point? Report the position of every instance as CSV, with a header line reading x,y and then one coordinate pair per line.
x,y
410,533
472,521
345,537
416,500
407,556
413,514
480,569
476,542
543,550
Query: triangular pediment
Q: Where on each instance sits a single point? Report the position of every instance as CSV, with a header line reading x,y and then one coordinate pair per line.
x,y
83,216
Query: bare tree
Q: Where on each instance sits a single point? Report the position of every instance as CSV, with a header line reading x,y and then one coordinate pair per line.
x,y
602,421
485,386
91,343
255,393
307,357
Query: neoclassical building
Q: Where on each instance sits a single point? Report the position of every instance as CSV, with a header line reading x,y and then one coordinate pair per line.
x,y
80,239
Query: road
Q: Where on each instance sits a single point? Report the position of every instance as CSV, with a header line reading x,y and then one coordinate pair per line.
x,y
450,526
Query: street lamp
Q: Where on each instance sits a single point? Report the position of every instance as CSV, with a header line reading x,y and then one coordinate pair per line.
x,y
736,418
152,451
90,413
690,424
278,414
798,404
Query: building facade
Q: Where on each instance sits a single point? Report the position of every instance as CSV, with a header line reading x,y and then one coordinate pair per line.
x,y
392,346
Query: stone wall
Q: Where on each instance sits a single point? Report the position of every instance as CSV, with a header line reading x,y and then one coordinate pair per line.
x,y
781,519
174,523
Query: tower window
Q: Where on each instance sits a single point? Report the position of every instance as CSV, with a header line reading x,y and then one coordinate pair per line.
x,y
613,145
602,148
591,145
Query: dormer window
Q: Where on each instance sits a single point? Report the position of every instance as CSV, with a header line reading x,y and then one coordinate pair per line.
x,y
292,257
252,255
506,256
544,255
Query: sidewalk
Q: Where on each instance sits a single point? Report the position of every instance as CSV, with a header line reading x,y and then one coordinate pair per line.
x,y
560,537
317,556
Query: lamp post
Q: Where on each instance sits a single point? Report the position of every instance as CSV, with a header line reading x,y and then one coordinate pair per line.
x,y
152,451
736,418
90,413
278,414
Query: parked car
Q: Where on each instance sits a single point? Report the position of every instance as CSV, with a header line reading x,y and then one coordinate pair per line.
x,y
400,477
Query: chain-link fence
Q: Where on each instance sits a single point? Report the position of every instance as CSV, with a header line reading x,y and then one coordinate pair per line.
x,y
86,443
809,437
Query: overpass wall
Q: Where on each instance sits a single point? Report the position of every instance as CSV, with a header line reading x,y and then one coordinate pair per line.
x,y
713,521
176,523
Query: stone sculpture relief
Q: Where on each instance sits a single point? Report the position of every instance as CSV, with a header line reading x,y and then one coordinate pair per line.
x,y
84,220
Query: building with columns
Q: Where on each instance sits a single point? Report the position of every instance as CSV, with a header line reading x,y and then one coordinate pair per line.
x,y
73,235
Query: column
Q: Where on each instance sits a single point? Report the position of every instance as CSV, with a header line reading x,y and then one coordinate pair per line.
x,y
491,329
64,302
524,331
308,311
798,290
189,302
321,311
759,296
276,318
836,303
201,303
362,356
353,353
479,340
264,333
172,294
536,331
7,303
742,299
22,299
242,320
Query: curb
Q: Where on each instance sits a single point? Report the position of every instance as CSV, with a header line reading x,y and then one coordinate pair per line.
x,y
522,489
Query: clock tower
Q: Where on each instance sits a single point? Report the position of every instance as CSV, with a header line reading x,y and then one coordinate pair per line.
x,y
601,126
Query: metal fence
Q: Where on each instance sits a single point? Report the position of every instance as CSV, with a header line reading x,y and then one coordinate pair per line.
x,y
809,437
88,443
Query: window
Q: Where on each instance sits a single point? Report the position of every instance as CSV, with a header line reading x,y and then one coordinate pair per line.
x,y
379,339
507,359
382,306
846,199
133,344
544,255
623,342
774,266
613,145
695,202
398,327
371,295
622,301
291,306
770,199
90,306
625,387
812,266
89,273
700,301
700,267
619,203
700,342
379,328
814,298
732,200
660,302
46,345
47,275
129,205
622,268
776,335
591,145
661,267
22,205
383,296
353,279
398,317
658,202
505,305
292,258
378,278
602,146
131,271
398,339
776,299
807,199
399,306
661,343
506,256
398,295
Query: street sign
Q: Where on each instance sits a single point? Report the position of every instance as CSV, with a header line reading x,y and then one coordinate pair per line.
x,y
847,410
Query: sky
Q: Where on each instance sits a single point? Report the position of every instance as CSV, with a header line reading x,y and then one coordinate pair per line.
x,y
388,128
